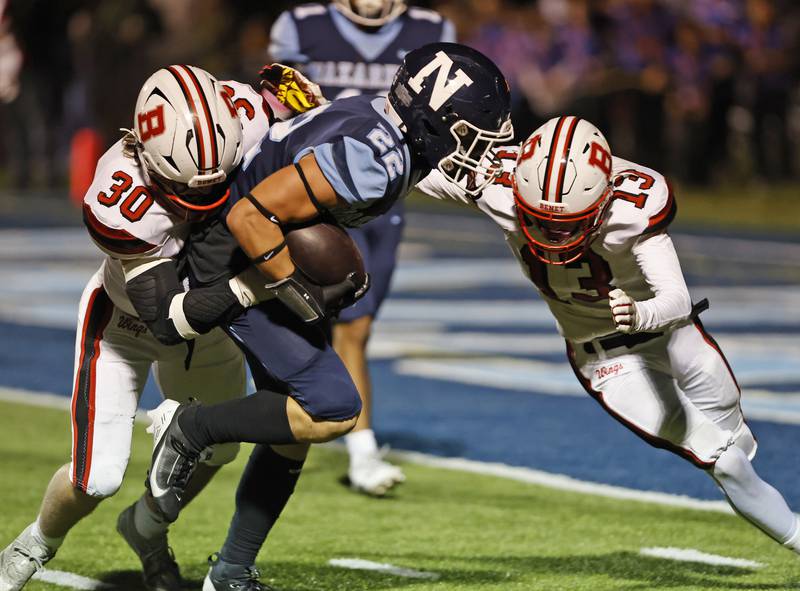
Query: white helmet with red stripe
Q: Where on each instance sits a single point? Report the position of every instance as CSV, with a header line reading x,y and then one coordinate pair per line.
x,y
562,185
371,13
189,136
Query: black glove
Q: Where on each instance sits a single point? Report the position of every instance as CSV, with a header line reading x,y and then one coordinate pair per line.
x,y
313,302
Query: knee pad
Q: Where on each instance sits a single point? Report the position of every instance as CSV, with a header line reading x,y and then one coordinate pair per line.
x,y
708,441
731,465
104,481
222,453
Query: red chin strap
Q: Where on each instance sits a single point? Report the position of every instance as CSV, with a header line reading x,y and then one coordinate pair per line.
x,y
193,207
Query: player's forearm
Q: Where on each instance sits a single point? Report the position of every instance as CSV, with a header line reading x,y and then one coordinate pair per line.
x,y
256,236
171,314
672,303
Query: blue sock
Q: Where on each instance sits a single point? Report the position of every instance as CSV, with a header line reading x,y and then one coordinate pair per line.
x,y
264,489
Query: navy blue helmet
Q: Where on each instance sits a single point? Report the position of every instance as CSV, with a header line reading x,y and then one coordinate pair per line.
x,y
454,105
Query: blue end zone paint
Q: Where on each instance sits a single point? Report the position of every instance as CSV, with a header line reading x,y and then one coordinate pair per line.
x,y
36,358
564,435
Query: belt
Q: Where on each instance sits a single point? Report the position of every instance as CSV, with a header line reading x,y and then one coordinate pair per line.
x,y
621,340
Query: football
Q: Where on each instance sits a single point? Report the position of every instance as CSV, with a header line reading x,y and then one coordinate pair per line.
x,y
325,252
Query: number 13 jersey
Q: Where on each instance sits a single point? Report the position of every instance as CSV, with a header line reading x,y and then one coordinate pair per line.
x,y
577,293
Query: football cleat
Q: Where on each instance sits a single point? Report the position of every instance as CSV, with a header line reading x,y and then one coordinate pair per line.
x,y
372,475
20,560
230,577
174,458
160,571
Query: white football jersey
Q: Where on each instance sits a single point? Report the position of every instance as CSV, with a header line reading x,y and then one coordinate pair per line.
x,y
577,293
124,219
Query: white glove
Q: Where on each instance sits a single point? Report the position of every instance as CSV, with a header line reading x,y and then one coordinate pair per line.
x,y
251,287
623,310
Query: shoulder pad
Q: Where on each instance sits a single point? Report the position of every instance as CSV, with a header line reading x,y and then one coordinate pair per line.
x,y
424,14
253,110
115,242
642,204
121,215
306,10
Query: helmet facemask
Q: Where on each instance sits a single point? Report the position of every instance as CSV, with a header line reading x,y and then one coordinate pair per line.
x,y
473,158
560,238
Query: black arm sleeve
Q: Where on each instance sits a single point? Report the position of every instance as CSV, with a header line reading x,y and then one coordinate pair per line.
x,y
207,307
204,307
151,293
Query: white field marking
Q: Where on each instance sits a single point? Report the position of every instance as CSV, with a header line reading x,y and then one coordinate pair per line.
x,y
561,482
71,580
519,474
389,569
691,555
48,400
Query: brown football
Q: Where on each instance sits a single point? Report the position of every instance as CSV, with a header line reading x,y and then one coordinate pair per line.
x,y
325,252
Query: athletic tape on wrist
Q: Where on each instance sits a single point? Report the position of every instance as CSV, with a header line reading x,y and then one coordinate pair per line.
x,y
178,317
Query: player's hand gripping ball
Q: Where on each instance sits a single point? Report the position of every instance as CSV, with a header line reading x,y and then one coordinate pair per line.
x,y
623,310
291,88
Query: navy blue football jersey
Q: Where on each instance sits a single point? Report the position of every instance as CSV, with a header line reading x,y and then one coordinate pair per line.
x,y
362,154
344,59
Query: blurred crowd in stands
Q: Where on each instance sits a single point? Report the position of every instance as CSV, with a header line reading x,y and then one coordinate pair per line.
x,y
706,90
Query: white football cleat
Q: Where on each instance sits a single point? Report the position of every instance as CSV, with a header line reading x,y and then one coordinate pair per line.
x,y
20,560
160,418
372,475
174,458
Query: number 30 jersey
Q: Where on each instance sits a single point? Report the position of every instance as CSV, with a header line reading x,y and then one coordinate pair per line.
x,y
124,219
577,293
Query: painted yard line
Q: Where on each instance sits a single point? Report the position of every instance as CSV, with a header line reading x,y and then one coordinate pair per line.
x,y
71,580
47,400
561,482
692,555
389,569
528,475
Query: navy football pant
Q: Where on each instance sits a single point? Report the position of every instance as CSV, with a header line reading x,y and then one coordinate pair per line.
x,y
288,356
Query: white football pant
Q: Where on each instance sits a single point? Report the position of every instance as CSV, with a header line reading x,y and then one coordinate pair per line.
x,y
114,352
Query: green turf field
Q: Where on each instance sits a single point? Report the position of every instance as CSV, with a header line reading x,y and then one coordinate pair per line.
x,y
476,532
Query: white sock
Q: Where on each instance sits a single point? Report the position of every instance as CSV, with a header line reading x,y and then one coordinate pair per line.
x,y
361,443
52,544
754,499
793,543
147,522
